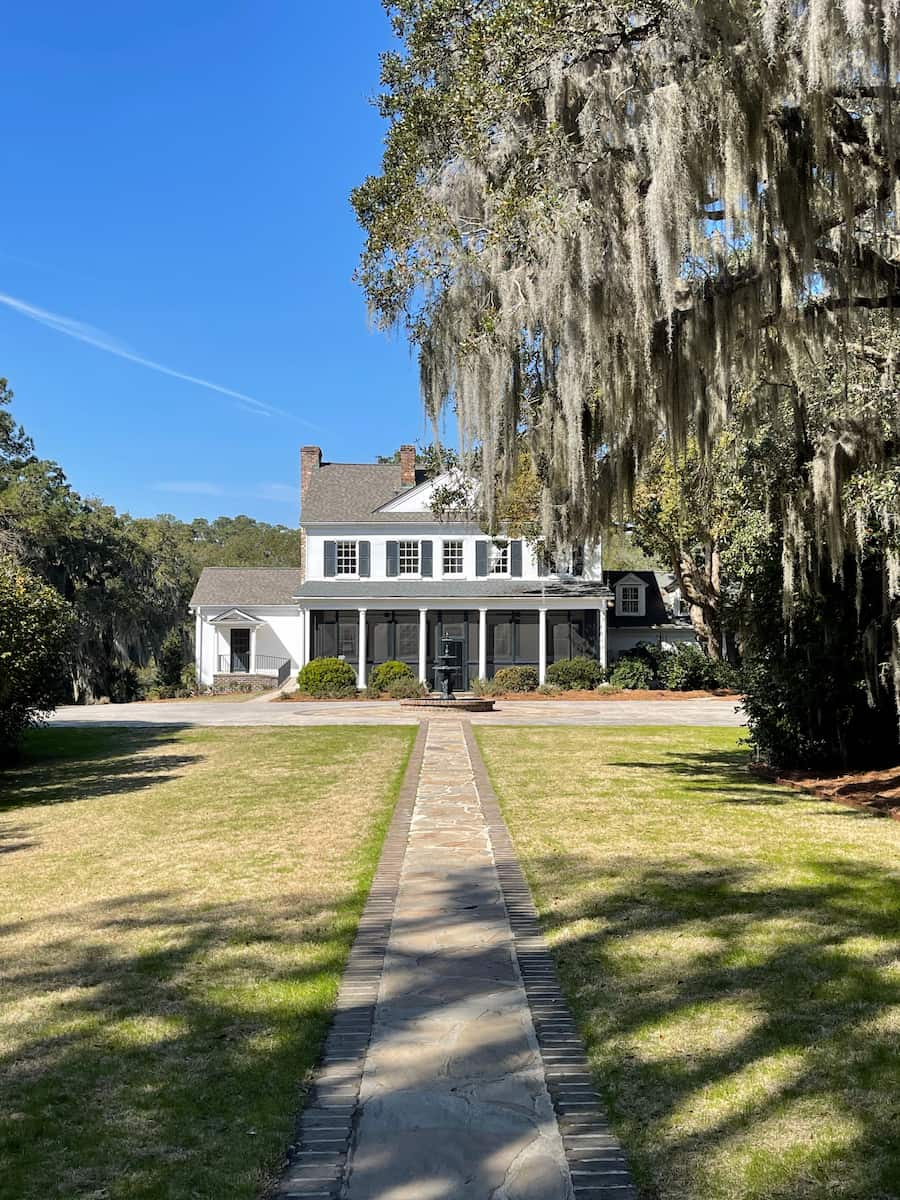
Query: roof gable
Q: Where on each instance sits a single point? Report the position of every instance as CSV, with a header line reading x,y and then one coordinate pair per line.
x,y
416,499
347,493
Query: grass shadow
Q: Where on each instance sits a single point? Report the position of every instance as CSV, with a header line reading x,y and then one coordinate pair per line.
x,y
60,765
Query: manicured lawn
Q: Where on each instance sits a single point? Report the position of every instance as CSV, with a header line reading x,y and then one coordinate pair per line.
x,y
731,950
175,910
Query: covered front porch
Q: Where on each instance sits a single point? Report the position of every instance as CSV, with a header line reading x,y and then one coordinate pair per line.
x,y
482,638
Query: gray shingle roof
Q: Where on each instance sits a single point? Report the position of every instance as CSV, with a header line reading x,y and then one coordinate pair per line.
x,y
450,589
246,585
340,493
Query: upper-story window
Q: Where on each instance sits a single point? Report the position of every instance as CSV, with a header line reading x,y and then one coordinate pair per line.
x,y
453,558
345,558
499,558
409,558
630,600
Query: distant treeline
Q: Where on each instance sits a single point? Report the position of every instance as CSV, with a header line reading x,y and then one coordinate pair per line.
x,y
128,579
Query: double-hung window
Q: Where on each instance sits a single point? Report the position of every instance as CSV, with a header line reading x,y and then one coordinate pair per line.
x,y
499,558
453,558
630,600
345,558
409,558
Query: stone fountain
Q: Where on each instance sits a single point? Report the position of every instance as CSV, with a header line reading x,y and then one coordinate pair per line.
x,y
443,698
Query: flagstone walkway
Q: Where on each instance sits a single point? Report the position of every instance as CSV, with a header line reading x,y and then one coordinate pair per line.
x,y
453,1071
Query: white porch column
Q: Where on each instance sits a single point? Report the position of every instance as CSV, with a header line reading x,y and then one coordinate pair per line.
x,y
302,659
482,643
542,645
604,654
361,676
423,645
252,650
198,646
309,648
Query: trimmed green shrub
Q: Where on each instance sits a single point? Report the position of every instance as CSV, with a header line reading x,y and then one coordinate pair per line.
x,y
406,687
385,673
631,674
575,674
516,679
549,689
483,687
688,670
327,677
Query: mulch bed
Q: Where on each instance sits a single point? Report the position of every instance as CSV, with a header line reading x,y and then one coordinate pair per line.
x,y
656,694
877,792
649,694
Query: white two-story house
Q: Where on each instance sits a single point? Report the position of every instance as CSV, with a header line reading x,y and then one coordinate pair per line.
x,y
382,578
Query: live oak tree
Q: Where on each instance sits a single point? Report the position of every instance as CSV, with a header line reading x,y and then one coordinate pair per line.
x,y
598,221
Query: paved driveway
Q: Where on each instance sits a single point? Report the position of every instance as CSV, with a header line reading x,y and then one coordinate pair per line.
x,y
385,712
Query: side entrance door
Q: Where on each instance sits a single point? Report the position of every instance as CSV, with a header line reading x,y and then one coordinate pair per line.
x,y
240,650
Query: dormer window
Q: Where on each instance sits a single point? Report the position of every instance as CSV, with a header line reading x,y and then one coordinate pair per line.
x,y
409,558
630,600
346,561
631,597
498,563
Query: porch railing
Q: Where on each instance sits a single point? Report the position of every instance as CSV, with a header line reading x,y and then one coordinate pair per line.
x,y
239,664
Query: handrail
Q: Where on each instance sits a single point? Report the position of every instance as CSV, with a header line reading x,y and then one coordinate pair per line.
x,y
230,664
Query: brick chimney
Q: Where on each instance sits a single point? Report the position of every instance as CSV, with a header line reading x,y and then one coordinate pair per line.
x,y
310,461
407,466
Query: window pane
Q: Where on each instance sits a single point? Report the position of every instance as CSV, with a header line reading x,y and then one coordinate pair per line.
x,y
500,636
378,636
581,643
499,558
346,558
453,558
407,637
528,638
324,635
348,634
409,558
558,635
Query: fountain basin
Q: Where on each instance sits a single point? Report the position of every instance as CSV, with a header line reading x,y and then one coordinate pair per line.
x,y
454,704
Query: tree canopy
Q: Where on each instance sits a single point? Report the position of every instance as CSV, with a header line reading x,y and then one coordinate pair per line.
x,y
602,223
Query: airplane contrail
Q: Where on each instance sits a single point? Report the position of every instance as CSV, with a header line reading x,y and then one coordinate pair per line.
x,y
105,341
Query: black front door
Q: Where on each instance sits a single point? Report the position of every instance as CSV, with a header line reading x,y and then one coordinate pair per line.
x,y
240,650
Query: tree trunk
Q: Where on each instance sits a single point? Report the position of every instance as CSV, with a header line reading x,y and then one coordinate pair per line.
x,y
700,587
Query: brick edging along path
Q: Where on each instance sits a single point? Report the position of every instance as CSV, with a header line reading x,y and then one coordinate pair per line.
x,y
596,1159
318,1154
453,1062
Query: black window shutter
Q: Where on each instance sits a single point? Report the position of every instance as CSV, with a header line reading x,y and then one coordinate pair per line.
x,y
426,559
515,559
392,557
364,559
481,558
330,559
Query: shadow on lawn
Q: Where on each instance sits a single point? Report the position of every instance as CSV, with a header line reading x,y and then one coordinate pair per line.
x,y
60,765
167,1046
821,1025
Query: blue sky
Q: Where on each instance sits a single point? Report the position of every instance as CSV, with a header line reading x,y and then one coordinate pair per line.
x,y
176,192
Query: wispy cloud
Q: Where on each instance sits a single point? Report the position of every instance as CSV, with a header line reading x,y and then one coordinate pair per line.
x,y
111,345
